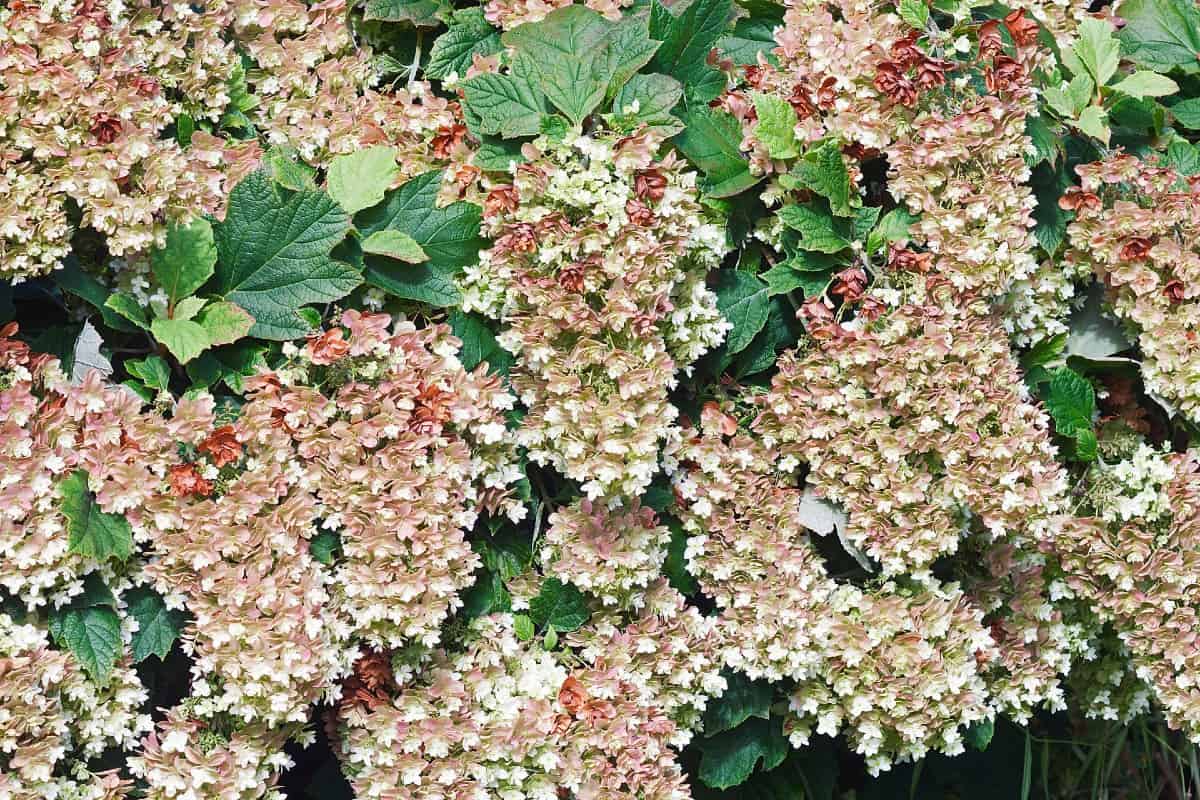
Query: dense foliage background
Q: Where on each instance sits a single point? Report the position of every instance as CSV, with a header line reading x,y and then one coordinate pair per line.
x,y
527,399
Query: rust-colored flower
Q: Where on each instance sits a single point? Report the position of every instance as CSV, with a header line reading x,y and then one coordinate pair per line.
x,y
991,43
905,51
649,184
1075,199
327,347
1174,291
555,224
891,81
870,308
572,696
222,446
185,481
432,408
1004,75
106,128
572,277
849,284
1136,248
370,683
447,138
818,318
801,102
931,72
826,93
1023,30
501,200
639,213
906,260
520,238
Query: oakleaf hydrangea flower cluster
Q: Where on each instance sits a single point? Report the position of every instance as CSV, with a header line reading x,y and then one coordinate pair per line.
x,y
597,276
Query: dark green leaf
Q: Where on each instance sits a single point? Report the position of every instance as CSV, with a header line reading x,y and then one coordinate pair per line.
x,y
980,734
559,606
422,13
273,255
454,50
158,626
92,532
505,105
325,546
743,300
730,757
712,141
743,699
1071,401
92,634
689,38
152,371
1161,34
479,343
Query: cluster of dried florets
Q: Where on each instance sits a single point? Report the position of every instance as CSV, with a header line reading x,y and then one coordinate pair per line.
x,y
921,427
1136,562
1136,226
53,717
597,275
611,554
373,432
918,427
508,14
99,102
505,718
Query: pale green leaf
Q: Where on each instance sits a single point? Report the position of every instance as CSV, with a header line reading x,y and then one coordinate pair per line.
x,y
185,262
129,308
816,228
647,100
1146,84
1094,122
394,244
1098,49
504,104
358,180
776,126
224,322
183,338
915,13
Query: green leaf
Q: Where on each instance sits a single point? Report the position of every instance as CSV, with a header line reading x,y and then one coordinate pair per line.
x,y
689,38
1097,50
152,371
479,344
751,37
1184,157
712,141
781,331
915,13
324,547
359,180
626,50
273,255
422,13
523,628
394,244
744,301
675,567
1187,113
129,308
559,606
743,699
1146,84
92,634
776,127
647,100
487,595
184,338
158,626
816,227
1161,34
454,51
784,278
496,155
823,170
730,757
1071,401
229,365
505,104
186,261
979,735
92,532
71,278
892,228
449,236
575,86
565,32
283,168
1094,122
224,322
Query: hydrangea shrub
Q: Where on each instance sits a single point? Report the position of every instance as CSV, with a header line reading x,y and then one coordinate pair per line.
x,y
536,400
